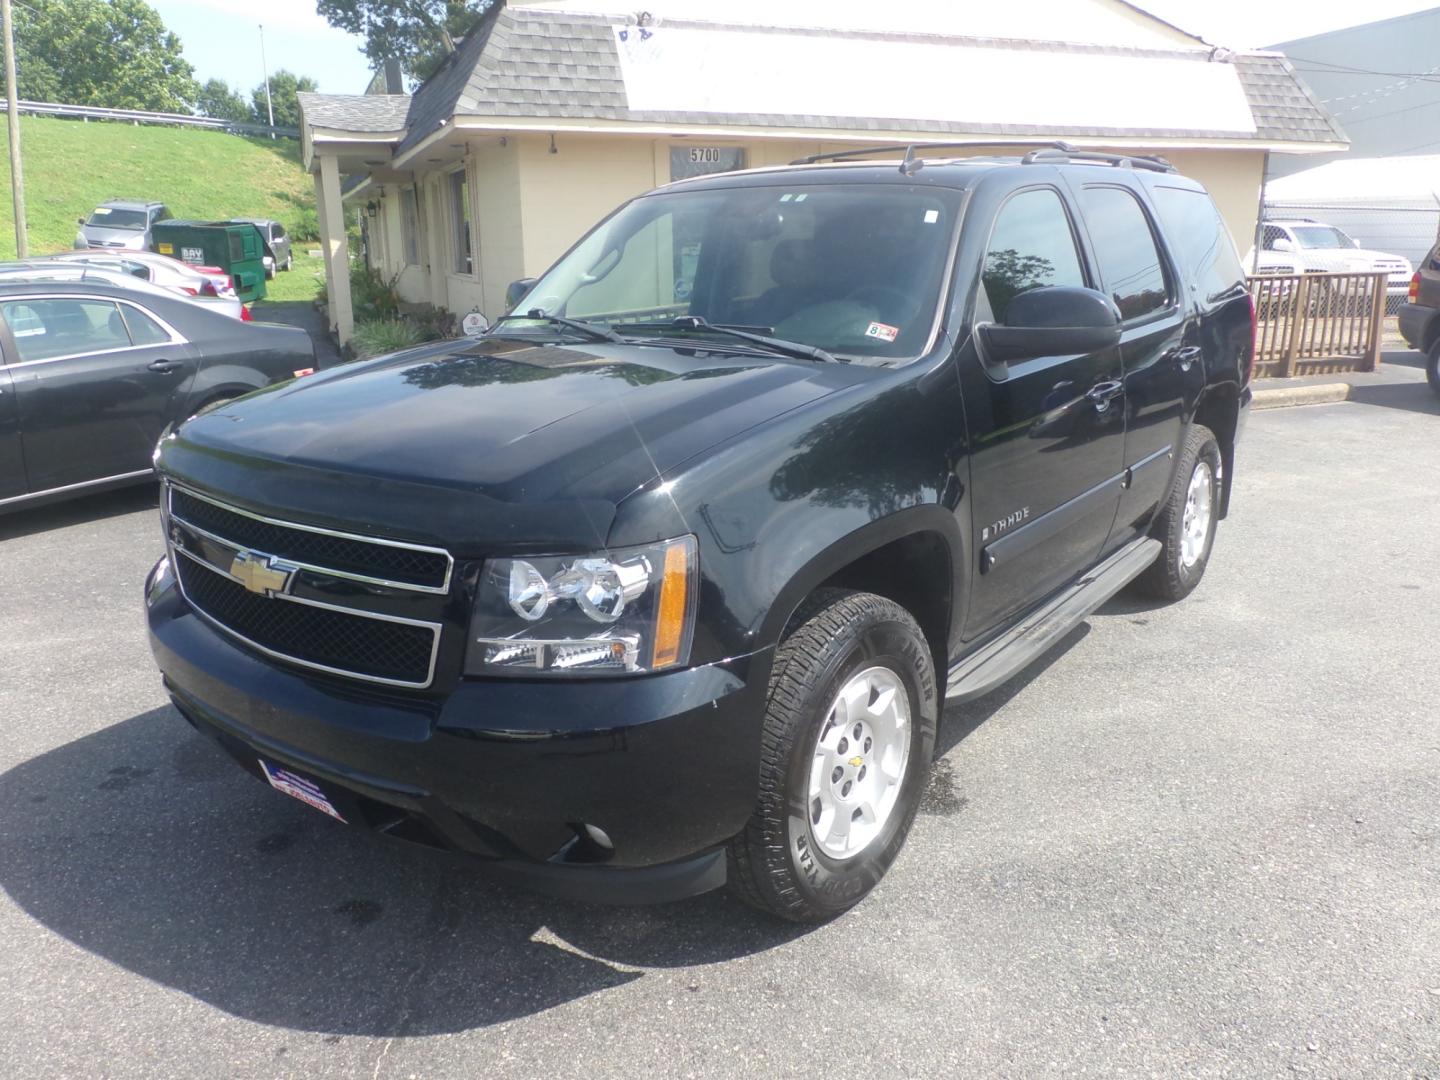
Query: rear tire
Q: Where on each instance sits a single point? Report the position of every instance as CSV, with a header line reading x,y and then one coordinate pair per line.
x,y
1186,523
1432,369
849,733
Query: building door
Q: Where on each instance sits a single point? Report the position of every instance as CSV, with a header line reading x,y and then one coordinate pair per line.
x,y
1047,435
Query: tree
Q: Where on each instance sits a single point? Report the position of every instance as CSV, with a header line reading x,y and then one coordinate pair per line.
x,y
284,85
110,53
219,102
418,33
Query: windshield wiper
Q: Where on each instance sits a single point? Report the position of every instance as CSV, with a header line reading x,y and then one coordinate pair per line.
x,y
779,345
590,330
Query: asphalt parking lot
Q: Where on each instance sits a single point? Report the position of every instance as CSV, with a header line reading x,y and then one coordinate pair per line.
x,y
1197,840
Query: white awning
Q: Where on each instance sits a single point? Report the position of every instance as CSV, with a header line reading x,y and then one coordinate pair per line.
x,y
670,69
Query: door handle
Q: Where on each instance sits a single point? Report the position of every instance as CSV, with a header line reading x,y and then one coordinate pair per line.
x,y
1185,356
1103,393
164,365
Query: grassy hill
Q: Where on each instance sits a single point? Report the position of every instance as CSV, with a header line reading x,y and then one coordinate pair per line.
x,y
72,166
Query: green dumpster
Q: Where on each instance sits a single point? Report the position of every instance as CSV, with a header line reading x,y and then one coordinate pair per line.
x,y
235,247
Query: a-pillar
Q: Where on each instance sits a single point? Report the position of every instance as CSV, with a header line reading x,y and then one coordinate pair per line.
x,y
334,246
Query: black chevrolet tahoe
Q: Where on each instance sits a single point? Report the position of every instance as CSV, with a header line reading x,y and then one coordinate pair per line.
x,y
663,582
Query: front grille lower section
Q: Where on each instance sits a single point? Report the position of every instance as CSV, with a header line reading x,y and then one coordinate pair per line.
x,y
324,638
422,568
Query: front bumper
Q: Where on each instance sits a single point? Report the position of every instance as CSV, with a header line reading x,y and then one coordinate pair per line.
x,y
509,771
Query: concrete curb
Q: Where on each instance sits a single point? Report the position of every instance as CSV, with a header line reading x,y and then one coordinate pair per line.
x,y
1282,397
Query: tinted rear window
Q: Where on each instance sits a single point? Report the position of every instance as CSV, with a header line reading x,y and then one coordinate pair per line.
x,y
1200,238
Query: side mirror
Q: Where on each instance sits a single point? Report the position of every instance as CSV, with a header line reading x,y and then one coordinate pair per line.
x,y
1058,320
80,221
516,290
1282,244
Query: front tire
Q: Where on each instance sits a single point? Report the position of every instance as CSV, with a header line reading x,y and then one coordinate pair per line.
x,y
1186,523
849,733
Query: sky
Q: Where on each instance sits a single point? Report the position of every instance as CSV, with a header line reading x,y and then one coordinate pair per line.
x,y
221,38
1249,24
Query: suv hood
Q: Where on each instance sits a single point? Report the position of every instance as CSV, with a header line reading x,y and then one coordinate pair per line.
x,y
471,444
97,236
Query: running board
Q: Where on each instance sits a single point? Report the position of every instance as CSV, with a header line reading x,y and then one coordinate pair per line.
x,y
1014,650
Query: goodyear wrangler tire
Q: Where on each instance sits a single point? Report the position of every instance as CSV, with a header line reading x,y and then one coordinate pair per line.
x,y
849,733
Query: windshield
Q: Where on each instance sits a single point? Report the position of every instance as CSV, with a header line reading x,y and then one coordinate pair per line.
x,y
1322,236
107,217
849,269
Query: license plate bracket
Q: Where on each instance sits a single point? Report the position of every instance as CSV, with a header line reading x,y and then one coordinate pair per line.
x,y
299,787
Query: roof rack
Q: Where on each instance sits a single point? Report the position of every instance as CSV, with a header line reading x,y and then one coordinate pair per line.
x,y
908,149
1128,161
1048,151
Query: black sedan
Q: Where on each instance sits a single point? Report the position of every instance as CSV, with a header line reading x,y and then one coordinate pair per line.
x,y
92,375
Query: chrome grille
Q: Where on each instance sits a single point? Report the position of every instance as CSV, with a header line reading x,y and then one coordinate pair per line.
x,y
231,573
382,562
323,638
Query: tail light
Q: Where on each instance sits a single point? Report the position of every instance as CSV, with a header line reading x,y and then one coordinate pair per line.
x,y
302,372
191,292
245,315
1254,331
207,288
1414,294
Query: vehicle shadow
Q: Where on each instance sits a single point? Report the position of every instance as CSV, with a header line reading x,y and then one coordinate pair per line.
x,y
79,511
959,722
1411,397
143,844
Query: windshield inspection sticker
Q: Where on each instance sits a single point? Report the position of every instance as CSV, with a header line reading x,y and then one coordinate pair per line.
x,y
932,216
881,331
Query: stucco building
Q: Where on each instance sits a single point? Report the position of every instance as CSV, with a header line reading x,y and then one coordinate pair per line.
x,y
552,112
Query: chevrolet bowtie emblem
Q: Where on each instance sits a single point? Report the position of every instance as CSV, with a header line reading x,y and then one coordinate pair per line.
x,y
262,574
856,761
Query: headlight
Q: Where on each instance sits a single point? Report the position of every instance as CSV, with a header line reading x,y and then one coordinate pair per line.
x,y
616,612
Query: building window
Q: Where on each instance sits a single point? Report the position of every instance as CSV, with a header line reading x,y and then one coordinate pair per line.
x,y
688,161
460,214
410,226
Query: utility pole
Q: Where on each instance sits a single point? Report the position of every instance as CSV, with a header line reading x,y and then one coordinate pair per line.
x,y
17,176
264,67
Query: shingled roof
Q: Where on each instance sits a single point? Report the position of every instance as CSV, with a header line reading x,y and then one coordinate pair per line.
x,y
369,113
537,64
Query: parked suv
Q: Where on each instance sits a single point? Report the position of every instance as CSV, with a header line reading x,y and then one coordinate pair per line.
x,y
1306,246
120,223
277,244
663,582
1420,316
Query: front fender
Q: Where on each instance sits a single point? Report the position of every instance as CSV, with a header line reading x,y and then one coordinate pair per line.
x,y
786,507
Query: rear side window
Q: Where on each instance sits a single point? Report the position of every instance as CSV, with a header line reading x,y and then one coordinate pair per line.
x,y
43,329
1032,246
143,329
278,231
1194,226
1125,248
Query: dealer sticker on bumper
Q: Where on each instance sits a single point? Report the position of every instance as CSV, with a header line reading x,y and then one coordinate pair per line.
x,y
297,787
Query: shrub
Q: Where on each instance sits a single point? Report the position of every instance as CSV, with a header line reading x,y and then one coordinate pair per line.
x,y
380,336
373,297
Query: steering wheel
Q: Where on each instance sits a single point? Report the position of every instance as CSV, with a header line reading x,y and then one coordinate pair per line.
x,y
883,298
